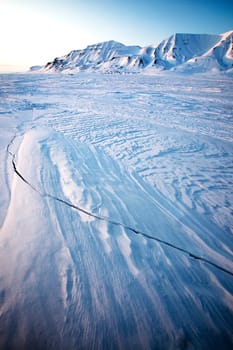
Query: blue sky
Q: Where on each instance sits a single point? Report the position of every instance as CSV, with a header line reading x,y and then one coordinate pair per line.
x,y
36,31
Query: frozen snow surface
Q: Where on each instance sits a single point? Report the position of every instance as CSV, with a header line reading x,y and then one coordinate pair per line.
x,y
116,211
183,52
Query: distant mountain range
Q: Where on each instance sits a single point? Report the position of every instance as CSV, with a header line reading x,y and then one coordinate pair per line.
x,y
181,52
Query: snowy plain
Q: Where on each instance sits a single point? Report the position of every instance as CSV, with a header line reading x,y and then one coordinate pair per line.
x,y
150,158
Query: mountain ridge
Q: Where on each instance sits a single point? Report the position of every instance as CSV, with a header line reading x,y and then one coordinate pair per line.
x,y
181,51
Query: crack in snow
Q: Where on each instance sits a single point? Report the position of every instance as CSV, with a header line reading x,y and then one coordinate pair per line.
x,y
110,221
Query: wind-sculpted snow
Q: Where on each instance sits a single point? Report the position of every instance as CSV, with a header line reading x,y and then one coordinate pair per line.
x,y
116,215
99,282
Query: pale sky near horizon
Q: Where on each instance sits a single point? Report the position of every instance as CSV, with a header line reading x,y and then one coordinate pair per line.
x,y
36,31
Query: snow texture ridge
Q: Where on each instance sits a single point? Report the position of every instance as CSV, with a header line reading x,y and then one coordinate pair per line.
x,y
185,52
63,176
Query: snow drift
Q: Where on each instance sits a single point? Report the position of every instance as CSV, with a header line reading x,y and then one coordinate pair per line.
x,y
74,280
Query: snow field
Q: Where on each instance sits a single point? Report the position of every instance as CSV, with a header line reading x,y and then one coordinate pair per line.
x,y
150,153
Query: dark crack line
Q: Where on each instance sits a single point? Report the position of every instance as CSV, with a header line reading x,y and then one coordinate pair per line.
x,y
23,178
9,145
110,221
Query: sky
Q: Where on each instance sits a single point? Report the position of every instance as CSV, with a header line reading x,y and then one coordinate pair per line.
x,y
36,31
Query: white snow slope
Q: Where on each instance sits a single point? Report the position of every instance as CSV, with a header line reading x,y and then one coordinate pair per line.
x,y
187,52
94,57
116,212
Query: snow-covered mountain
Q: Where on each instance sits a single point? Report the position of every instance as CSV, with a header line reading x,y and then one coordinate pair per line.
x,y
183,52
95,57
